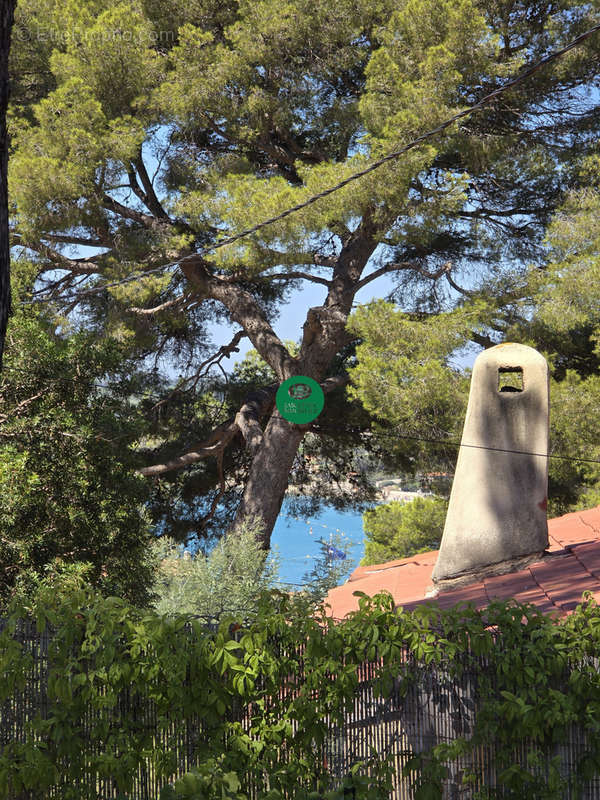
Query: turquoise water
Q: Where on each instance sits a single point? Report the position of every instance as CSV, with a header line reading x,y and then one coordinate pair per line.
x,y
296,540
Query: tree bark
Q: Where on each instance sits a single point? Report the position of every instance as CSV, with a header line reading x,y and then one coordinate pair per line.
x,y
324,336
269,476
7,12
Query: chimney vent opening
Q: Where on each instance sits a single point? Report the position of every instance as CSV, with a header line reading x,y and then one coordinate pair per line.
x,y
510,379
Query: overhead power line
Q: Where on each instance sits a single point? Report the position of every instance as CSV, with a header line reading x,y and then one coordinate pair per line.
x,y
486,100
451,443
54,379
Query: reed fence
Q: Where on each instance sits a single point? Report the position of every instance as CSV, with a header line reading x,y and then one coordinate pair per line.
x,y
436,709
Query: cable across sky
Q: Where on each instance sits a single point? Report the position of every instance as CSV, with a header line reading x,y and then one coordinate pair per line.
x,y
452,443
486,100
404,436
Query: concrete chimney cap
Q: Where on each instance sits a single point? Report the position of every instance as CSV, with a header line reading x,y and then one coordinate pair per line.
x,y
509,357
497,509
511,354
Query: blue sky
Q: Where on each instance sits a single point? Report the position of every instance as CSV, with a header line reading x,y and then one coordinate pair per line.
x,y
292,316
289,323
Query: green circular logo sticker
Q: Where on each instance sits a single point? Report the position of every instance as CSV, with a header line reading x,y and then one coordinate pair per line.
x,y
300,399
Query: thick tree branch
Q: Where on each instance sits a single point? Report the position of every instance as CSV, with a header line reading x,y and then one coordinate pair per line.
x,y
243,309
151,200
217,442
78,266
324,331
248,417
135,186
148,221
7,13
256,405
482,339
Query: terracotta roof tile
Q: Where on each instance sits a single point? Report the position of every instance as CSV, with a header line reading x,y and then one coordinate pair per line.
x,y
588,554
571,528
361,572
554,544
591,517
473,593
564,580
422,559
427,558
503,586
555,584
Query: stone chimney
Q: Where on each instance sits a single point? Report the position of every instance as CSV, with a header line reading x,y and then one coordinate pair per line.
x,y
496,519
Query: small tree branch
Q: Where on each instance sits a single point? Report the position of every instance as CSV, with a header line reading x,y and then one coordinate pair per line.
x,y
223,352
284,276
147,312
393,267
65,238
220,493
456,287
55,288
20,407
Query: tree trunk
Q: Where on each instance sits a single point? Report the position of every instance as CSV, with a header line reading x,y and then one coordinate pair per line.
x,y
269,475
324,333
7,11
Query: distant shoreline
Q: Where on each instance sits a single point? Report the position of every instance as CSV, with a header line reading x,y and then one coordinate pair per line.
x,y
391,491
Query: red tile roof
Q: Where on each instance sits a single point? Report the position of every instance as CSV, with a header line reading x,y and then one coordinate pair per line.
x,y
555,583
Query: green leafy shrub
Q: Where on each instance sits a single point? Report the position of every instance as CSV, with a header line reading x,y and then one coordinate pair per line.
x,y
398,530
227,581
207,782
69,493
534,678
210,783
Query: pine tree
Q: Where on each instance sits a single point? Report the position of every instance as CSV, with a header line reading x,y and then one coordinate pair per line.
x,y
149,132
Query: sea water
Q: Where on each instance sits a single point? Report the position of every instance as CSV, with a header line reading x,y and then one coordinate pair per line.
x,y
296,540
